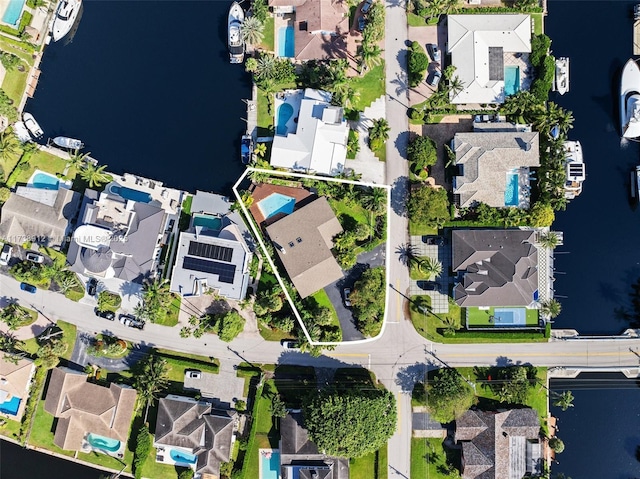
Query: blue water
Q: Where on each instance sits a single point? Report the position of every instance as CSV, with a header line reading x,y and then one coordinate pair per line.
x,y
276,203
11,406
286,45
511,192
211,222
511,80
106,443
45,181
183,457
285,111
130,194
271,466
13,11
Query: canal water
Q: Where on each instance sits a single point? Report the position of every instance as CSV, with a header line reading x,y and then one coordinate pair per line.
x,y
148,87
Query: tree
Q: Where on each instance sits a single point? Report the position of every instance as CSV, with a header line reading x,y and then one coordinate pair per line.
x,y
422,152
521,107
150,380
229,325
156,300
541,215
5,193
49,352
77,160
564,400
9,61
556,444
551,308
549,240
66,281
374,199
350,423
429,206
95,175
278,407
431,267
448,395
9,146
143,447
368,300
514,385
378,133
14,316
417,64
370,56
260,149
252,30
455,86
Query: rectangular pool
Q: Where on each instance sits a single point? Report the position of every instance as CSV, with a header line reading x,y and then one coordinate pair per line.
x,y
269,464
511,191
511,80
510,316
12,13
286,45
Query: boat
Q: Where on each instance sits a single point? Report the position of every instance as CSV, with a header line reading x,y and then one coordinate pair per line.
x,y
21,132
236,44
630,100
635,183
575,169
32,125
64,18
66,142
246,149
561,80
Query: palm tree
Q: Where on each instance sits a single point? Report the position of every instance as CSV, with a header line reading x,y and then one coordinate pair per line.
x,y
151,379
374,199
370,56
521,106
66,282
378,133
549,240
77,160
260,149
455,86
408,256
252,30
266,67
9,145
95,175
432,267
551,308
564,400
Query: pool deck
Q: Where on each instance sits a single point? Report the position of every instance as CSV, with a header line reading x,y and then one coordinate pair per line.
x,y
293,98
261,191
168,199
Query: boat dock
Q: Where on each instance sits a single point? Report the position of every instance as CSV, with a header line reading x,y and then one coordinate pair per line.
x,y
636,30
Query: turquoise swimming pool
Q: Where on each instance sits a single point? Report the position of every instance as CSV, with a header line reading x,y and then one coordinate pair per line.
x,y
286,45
105,443
44,181
130,194
511,80
206,221
285,112
276,203
12,13
270,465
511,192
11,406
183,457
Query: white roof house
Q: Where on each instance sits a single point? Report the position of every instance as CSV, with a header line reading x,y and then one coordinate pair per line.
x,y
478,45
319,143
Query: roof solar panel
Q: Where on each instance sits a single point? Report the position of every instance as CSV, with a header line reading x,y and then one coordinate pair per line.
x,y
225,271
210,251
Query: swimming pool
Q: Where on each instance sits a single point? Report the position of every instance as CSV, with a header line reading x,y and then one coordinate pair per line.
x,y
269,464
13,11
130,194
509,317
511,192
511,80
286,45
183,457
11,406
276,203
44,181
104,443
212,222
285,112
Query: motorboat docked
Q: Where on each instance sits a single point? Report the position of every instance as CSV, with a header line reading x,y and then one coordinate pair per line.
x,y
574,165
64,18
66,142
21,132
635,183
630,100
246,149
235,43
561,80
32,125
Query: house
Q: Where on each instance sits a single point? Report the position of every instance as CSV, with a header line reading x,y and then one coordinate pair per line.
x,y
303,241
299,456
117,237
320,27
89,416
39,215
480,46
499,445
191,434
498,267
213,253
493,167
319,142
15,381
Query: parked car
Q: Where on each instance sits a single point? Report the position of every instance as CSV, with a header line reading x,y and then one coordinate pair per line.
x,y
290,345
194,373
362,22
434,51
435,79
35,257
366,6
429,285
5,254
92,286
347,297
110,315
131,321
434,240
29,288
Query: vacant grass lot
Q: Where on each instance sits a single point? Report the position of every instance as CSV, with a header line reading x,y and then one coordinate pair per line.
x,y
371,87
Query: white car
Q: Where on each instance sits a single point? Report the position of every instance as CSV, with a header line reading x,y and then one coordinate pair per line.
x,y
290,345
35,258
435,79
5,255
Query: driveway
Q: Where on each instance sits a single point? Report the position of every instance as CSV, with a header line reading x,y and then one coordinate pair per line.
x,y
439,299
82,358
223,389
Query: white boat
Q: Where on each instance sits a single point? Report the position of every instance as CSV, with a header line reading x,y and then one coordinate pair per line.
x,y
64,18
66,142
235,42
630,100
32,125
574,165
21,132
561,80
635,183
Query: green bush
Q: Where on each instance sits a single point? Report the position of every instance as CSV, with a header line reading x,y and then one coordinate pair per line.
x,y
25,21
416,114
143,447
422,153
540,45
4,194
418,62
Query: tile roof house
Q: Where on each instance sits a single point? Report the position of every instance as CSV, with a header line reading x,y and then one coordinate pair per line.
x,y
39,215
186,427
499,445
478,45
498,267
319,143
485,162
299,456
303,241
84,408
15,380
116,237
320,26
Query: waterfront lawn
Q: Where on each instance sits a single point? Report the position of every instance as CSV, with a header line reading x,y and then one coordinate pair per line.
x,y
371,87
538,20
42,431
14,83
265,118
430,459
40,160
480,317
10,429
371,466
108,461
268,41
19,49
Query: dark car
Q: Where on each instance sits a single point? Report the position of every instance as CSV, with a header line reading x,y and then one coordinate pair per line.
x,y
362,22
29,288
347,297
110,315
435,79
366,6
429,285
92,286
434,51
434,240
131,321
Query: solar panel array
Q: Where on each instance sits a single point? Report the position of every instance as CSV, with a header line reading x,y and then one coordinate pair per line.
x,y
225,271
210,251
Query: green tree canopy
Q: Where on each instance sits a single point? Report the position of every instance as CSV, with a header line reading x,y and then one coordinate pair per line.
x,y
541,215
429,206
417,64
422,152
448,395
368,300
350,423
556,444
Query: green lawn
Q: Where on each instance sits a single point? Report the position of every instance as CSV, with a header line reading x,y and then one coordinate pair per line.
x,y
171,318
109,461
11,429
350,209
269,334
538,23
371,87
268,41
42,431
414,20
177,365
7,165
418,229
482,317
264,435
40,160
371,466
265,118
323,300
14,84
68,336
10,45
429,459
416,273
381,153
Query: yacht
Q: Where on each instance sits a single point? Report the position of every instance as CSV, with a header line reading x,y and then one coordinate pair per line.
x,y
561,80
64,18
574,165
236,45
635,184
246,149
66,142
32,125
21,132
630,100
